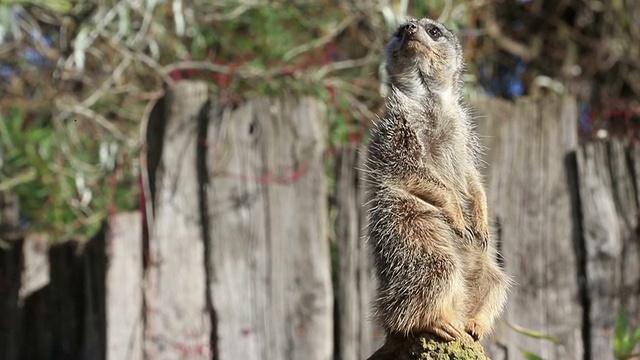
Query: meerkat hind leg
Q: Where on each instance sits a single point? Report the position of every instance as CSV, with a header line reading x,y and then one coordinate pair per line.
x,y
490,297
446,318
422,288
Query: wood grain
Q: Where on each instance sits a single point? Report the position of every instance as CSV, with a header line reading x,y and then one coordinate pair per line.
x,y
358,335
532,207
610,223
269,251
178,321
124,288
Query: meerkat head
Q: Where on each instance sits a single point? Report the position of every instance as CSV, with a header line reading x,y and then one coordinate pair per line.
x,y
423,53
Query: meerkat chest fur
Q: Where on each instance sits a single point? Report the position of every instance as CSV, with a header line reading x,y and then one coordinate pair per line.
x,y
424,64
441,128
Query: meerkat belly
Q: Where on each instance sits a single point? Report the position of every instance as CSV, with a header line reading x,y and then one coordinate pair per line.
x,y
451,166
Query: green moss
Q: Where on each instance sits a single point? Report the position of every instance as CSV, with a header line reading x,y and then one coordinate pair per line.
x,y
429,348
434,349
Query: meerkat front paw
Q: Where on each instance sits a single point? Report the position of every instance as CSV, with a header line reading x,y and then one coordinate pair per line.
x,y
480,223
455,217
476,329
482,234
461,229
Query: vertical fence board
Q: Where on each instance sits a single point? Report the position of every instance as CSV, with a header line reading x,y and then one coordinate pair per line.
x,y
610,223
124,288
10,312
11,264
603,245
631,252
358,336
529,197
271,284
254,279
178,321
624,185
36,335
35,271
74,302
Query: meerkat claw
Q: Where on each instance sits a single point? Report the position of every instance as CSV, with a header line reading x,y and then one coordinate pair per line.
x,y
483,239
447,332
467,234
475,336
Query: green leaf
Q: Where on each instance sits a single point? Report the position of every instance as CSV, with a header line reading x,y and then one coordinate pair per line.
x,y
623,341
636,336
529,355
621,326
534,334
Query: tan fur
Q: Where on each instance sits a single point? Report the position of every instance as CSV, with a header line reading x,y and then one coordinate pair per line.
x,y
428,222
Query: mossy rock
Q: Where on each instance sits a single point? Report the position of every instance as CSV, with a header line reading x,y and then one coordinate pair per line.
x,y
428,347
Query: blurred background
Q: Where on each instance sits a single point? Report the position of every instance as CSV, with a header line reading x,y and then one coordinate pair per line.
x,y
180,179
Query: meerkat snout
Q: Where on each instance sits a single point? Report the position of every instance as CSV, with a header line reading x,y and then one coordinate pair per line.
x,y
411,28
424,54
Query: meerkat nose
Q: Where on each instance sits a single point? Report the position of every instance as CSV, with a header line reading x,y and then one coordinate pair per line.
x,y
411,28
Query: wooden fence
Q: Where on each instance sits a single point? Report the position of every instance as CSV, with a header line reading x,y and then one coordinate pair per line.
x,y
236,263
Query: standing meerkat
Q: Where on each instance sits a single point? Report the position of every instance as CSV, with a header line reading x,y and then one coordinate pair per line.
x,y
428,224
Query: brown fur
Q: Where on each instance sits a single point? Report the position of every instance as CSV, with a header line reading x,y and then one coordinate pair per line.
x,y
428,222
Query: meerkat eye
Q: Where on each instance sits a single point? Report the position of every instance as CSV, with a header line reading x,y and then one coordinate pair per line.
x,y
435,33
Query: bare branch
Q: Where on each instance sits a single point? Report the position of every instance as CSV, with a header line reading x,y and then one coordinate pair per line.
x,y
505,42
346,64
321,41
69,105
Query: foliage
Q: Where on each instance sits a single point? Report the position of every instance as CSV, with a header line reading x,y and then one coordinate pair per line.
x,y
625,339
100,63
79,76
535,335
586,48
57,173
529,355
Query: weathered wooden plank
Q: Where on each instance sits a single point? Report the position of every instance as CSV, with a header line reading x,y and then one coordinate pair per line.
x,y
11,264
530,201
624,176
10,313
269,252
93,266
35,271
178,320
124,288
631,253
603,245
358,337
609,209
73,303
64,302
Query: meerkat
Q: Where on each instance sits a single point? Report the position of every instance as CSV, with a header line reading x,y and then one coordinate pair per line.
x,y
428,222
